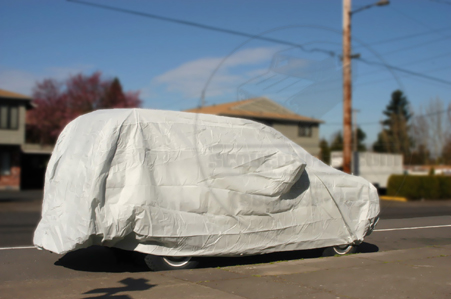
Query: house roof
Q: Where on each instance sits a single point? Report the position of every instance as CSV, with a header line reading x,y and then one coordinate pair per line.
x,y
12,95
261,108
9,95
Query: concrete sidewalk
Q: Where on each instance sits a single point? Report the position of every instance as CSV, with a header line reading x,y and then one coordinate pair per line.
x,y
412,273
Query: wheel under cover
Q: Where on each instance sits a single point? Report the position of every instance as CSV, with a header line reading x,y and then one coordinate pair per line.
x,y
340,250
161,263
177,262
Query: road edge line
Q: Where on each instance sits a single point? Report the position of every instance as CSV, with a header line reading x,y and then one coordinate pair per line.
x,y
414,227
18,247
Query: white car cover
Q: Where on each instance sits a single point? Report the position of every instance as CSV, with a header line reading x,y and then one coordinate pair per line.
x,y
184,184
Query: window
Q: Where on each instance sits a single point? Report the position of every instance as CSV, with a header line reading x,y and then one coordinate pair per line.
x,y
9,117
5,163
304,130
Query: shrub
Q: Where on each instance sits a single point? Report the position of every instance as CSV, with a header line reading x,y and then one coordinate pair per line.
x,y
419,187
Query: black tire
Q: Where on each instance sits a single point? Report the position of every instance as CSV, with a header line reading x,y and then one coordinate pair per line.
x,y
339,250
162,263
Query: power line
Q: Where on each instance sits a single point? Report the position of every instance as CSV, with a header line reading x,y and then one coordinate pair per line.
x,y
421,79
405,71
413,47
376,71
366,74
234,32
411,63
356,85
244,34
202,26
442,1
400,38
388,79
415,20
379,122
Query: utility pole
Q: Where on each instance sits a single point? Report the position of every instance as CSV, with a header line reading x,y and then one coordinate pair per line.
x,y
354,122
347,80
355,156
347,87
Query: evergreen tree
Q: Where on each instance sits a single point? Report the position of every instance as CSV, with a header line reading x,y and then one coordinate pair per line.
x,y
379,145
337,142
324,151
398,106
394,137
361,136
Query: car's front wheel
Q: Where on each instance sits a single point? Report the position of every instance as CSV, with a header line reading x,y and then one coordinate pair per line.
x,y
162,263
340,250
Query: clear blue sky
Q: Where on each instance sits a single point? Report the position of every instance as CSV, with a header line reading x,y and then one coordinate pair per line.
x,y
171,63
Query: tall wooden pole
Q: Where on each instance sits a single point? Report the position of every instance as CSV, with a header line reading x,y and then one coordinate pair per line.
x,y
355,144
347,87
355,130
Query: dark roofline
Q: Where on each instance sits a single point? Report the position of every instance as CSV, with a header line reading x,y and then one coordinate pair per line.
x,y
316,121
16,97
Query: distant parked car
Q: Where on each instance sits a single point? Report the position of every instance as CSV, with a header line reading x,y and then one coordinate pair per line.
x,y
178,185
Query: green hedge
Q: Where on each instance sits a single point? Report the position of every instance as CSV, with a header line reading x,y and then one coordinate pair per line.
x,y
419,187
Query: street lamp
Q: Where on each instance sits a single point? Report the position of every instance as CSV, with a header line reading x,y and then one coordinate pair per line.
x,y
380,3
347,81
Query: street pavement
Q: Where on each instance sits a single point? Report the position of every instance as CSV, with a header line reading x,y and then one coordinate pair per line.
x,y
408,256
409,273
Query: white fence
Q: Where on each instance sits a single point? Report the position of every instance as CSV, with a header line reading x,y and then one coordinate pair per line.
x,y
374,167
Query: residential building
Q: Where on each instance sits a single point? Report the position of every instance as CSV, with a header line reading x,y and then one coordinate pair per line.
x,y
22,165
300,129
13,108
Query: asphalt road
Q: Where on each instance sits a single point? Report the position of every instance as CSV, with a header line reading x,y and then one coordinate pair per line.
x,y
412,226
20,213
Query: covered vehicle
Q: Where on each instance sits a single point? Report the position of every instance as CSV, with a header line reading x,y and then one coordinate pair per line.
x,y
176,185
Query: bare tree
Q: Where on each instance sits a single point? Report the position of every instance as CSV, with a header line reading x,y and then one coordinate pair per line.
x,y
446,151
420,130
431,127
449,112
